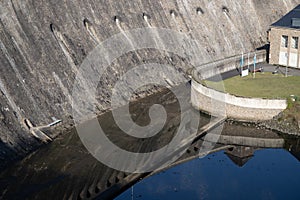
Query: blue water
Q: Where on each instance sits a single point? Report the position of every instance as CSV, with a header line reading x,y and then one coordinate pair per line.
x,y
270,174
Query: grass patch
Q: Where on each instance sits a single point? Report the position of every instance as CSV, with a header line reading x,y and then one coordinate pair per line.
x,y
264,85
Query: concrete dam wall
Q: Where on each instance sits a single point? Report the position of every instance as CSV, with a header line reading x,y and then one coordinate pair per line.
x,y
43,43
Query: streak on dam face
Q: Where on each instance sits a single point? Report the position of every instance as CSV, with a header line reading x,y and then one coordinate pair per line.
x,y
44,42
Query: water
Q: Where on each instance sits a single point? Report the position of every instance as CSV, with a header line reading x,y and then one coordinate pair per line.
x,y
269,174
66,170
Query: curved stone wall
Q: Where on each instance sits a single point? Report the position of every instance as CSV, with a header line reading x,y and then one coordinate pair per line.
x,y
240,108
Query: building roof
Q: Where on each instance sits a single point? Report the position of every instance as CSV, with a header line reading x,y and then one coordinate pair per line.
x,y
290,20
238,160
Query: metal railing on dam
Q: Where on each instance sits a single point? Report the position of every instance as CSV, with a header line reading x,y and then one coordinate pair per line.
x,y
208,70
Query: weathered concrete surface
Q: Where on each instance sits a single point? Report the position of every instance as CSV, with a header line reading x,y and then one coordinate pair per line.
x,y
43,43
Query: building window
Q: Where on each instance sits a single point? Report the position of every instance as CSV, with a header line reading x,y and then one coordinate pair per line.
x,y
295,42
284,41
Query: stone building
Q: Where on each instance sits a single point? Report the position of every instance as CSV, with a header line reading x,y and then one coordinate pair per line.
x,y
284,40
240,155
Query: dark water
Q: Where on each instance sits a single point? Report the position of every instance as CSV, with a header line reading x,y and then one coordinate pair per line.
x,y
269,174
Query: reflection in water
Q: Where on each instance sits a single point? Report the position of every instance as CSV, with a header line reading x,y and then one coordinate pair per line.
x,y
65,170
240,155
270,174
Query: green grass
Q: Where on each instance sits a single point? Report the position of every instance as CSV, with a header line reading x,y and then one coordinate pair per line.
x,y
264,85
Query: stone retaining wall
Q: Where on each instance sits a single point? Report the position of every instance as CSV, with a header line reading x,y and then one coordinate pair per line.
x,y
247,141
240,108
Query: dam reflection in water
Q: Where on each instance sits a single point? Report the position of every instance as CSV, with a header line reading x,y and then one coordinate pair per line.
x,y
269,174
246,163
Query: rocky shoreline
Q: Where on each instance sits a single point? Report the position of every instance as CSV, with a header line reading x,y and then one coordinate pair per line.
x,y
288,121
282,125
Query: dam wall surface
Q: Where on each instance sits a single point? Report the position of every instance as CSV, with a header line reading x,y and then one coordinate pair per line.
x,y
43,43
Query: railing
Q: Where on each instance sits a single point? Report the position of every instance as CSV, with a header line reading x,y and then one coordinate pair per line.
x,y
211,69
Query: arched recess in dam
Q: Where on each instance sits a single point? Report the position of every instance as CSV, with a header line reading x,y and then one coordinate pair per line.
x,y
43,43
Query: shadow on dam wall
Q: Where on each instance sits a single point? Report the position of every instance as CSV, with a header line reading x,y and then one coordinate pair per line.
x,y
42,45
4,152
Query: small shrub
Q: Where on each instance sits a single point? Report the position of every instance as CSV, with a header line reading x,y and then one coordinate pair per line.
x,y
290,103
